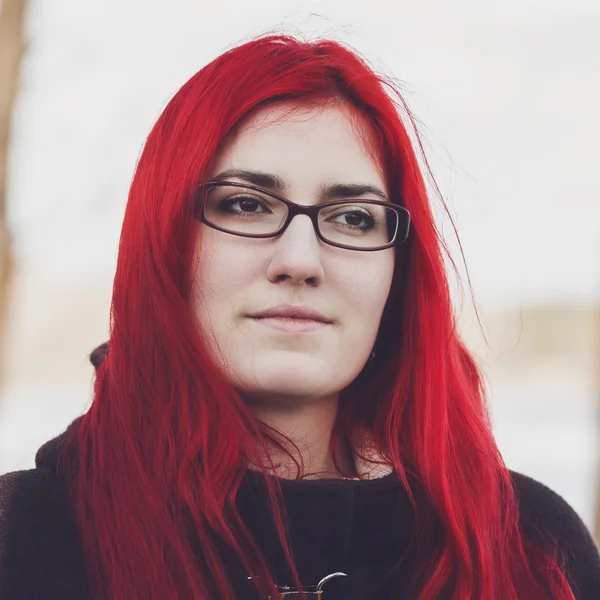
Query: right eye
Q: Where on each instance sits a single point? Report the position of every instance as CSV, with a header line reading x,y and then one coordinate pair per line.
x,y
246,204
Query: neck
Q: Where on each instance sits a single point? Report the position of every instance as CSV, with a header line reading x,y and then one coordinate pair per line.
x,y
309,427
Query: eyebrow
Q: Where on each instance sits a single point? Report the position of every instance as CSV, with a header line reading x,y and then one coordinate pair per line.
x,y
328,191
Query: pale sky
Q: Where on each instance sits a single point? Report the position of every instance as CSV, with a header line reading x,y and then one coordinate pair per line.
x,y
508,95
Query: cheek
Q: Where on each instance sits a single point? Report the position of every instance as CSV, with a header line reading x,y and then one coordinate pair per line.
x,y
368,298
222,261
222,277
367,288
222,270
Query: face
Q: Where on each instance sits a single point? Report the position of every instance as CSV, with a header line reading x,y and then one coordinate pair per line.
x,y
239,276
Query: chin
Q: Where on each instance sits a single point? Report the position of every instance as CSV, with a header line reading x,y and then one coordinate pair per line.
x,y
293,383
293,374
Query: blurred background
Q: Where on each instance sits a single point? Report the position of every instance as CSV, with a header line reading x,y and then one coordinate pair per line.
x,y
507,96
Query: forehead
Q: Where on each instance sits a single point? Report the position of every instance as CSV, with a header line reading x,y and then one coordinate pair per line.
x,y
303,144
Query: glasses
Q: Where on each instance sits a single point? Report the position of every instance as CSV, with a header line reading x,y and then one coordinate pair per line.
x,y
250,211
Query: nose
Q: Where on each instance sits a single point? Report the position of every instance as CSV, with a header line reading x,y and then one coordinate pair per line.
x,y
297,253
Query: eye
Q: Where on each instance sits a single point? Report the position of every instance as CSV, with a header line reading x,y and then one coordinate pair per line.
x,y
354,217
247,204
358,218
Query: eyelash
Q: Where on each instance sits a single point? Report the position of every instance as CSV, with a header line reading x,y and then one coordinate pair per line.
x,y
228,202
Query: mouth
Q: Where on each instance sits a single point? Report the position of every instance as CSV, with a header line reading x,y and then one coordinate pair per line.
x,y
291,324
299,312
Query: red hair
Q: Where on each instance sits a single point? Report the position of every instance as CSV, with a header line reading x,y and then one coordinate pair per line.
x,y
163,448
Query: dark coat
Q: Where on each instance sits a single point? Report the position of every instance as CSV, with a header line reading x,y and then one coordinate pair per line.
x,y
358,527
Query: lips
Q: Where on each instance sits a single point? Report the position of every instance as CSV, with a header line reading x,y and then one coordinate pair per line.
x,y
290,311
291,325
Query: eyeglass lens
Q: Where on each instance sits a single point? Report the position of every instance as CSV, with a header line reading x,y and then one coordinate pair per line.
x,y
250,212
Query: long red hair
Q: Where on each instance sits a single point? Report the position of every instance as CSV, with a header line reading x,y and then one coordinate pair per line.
x,y
163,448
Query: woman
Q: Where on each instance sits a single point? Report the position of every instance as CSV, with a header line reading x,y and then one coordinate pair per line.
x,y
284,407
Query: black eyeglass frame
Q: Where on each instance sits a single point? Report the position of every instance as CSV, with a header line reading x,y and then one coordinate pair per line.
x,y
311,211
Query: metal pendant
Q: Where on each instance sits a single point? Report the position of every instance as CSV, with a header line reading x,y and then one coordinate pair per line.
x,y
289,593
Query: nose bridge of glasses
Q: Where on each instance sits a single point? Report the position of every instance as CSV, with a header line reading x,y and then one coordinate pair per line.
x,y
295,210
309,217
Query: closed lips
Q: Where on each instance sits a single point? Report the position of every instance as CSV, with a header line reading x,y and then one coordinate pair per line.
x,y
291,312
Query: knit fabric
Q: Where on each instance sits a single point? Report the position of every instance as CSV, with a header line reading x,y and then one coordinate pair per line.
x,y
361,528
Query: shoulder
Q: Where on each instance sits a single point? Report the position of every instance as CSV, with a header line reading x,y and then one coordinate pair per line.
x,y
27,498
20,485
40,554
545,509
546,517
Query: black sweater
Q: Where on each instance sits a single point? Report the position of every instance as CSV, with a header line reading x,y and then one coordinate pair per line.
x,y
357,527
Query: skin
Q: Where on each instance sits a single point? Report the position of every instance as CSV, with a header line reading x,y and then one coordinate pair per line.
x,y
292,380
